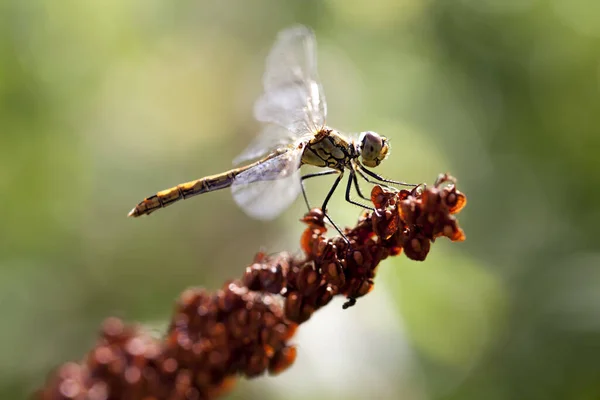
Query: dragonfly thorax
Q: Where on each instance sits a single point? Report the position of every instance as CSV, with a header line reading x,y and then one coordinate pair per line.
x,y
330,149
373,148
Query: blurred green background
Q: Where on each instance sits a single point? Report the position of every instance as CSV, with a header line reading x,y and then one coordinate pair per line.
x,y
105,102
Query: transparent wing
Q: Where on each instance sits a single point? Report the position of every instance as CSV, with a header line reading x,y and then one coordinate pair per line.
x,y
270,138
266,190
293,97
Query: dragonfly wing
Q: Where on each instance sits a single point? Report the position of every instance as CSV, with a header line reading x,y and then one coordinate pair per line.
x,y
293,96
267,189
270,138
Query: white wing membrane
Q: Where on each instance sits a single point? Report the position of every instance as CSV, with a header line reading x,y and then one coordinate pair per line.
x,y
266,190
270,138
293,97
293,107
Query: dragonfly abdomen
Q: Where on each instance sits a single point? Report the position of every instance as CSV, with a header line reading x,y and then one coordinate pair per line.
x,y
183,191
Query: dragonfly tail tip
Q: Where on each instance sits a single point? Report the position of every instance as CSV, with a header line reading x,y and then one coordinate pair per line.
x,y
133,212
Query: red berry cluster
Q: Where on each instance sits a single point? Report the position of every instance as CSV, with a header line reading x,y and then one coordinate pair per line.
x,y
412,220
408,220
245,328
212,338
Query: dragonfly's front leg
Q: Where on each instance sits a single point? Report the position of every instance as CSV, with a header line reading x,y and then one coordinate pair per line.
x,y
366,178
362,170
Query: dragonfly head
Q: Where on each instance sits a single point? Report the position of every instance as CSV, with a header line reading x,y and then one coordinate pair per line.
x,y
373,148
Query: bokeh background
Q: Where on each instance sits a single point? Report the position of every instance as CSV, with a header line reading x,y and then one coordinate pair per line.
x,y
105,102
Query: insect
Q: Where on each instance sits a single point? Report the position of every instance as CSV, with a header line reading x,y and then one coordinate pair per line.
x,y
293,111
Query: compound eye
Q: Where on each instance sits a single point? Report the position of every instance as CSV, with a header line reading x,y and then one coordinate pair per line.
x,y
371,147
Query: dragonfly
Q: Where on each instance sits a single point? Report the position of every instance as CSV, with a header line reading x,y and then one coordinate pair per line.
x,y
267,176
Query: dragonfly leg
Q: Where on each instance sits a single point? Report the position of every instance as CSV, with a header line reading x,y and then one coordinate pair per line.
x,y
352,179
362,170
366,178
327,198
333,187
322,173
362,196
